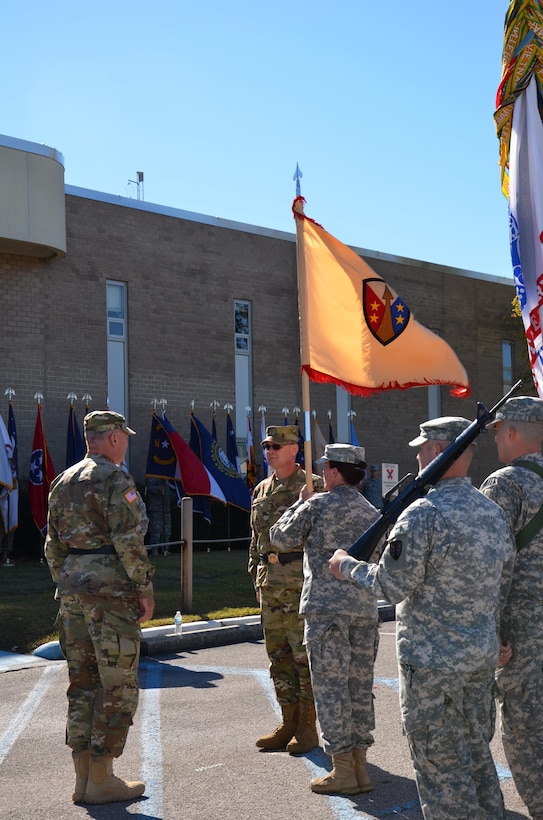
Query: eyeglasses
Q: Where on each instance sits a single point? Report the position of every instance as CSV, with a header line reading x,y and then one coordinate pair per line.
x,y
268,446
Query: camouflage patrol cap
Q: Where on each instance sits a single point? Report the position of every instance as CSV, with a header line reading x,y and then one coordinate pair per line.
x,y
520,408
344,454
101,421
287,434
445,428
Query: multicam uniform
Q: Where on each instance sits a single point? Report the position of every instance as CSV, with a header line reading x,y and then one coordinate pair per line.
x,y
94,548
280,585
519,492
444,566
340,621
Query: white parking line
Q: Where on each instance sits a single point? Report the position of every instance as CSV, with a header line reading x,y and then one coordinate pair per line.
x,y
151,738
26,710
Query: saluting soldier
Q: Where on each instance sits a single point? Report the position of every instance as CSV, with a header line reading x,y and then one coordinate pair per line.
x,y
96,554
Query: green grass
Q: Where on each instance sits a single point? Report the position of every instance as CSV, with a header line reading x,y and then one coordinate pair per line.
x,y
221,589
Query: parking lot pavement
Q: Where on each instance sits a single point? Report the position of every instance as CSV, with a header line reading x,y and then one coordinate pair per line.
x,y
192,742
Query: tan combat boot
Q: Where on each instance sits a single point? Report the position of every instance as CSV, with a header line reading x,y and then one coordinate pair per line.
x,y
104,787
362,777
342,778
81,765
305,737
277,740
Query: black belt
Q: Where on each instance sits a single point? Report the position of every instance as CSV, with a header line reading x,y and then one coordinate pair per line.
x,y
280,558
109,549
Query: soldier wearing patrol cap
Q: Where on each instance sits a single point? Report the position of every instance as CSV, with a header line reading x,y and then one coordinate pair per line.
x,y
96,555
278,579
518,489
447,561
340,624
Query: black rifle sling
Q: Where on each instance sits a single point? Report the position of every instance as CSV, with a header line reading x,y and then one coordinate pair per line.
x,y
532,527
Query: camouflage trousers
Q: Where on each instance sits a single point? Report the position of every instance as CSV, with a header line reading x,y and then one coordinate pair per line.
x,y
448,718
101,642
341,653
520,695
283,635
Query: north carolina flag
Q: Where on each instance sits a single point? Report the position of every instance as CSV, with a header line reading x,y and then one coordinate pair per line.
x,y
213,457
40,475
170,457
520,130
355,330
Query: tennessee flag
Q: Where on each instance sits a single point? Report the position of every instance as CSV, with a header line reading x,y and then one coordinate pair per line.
x,y
520,131
40,476
356,331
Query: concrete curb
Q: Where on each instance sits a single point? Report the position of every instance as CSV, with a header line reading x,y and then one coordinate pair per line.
x,y
162,640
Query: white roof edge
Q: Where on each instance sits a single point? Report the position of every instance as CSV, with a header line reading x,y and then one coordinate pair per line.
x,y
31,148
219,222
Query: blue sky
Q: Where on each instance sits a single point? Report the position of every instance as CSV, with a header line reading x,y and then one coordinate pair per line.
x,y
387,107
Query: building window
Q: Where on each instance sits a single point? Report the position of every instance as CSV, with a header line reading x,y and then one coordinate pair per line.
x,y
117,384
243,367
507,366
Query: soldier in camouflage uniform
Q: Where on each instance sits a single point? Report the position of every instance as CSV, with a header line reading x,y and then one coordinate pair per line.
x,y
447,563
341,623
278,582
518,489
95,551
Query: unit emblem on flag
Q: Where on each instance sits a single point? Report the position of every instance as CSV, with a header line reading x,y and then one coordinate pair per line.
x,y
386,315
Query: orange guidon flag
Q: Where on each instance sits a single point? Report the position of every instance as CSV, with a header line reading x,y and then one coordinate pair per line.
x,y
355,330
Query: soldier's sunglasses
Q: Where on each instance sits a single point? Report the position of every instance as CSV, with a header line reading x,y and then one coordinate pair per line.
x,y
268,446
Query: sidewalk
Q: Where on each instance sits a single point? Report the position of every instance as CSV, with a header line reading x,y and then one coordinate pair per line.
x,y
162,640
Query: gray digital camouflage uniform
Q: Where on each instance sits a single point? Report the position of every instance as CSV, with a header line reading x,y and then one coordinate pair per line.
x,y
95,505
519,492
280,586
447,567
340,621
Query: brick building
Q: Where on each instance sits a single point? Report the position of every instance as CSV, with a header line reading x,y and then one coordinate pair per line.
x,y
131,301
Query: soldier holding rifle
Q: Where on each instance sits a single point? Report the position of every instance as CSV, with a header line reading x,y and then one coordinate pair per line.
x,y
518,489
447,625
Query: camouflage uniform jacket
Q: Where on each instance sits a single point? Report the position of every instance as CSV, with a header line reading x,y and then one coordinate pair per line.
x,y
326,522
91,505
448,561
270,500
519,492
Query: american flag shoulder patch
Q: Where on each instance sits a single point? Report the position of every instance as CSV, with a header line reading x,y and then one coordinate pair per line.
x,y
131,495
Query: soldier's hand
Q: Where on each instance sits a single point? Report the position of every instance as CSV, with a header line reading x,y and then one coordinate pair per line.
x,y
305,494
147,607
335,561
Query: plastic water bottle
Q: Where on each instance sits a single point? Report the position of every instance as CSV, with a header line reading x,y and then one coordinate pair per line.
x,y
178,621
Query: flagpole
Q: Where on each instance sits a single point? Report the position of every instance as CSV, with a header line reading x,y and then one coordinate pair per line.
x,y
298,208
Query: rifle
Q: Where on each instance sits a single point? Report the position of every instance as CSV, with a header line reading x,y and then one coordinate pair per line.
x,y
364,546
